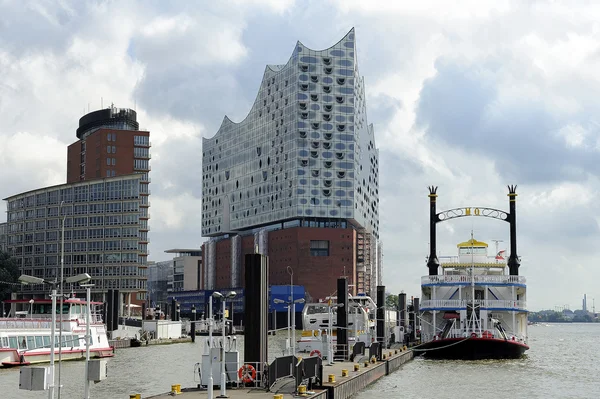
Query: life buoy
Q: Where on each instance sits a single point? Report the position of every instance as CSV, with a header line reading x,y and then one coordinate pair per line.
x,y
247,373
316,352
473,335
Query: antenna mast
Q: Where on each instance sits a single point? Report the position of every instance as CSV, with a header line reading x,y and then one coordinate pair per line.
x,y
496,256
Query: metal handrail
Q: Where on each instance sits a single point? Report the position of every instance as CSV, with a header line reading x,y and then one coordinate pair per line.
x,y
462,303
477,279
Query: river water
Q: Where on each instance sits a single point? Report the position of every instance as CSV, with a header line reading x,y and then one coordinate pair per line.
x,y
563,362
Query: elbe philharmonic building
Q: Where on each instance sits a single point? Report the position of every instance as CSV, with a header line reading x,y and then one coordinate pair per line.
x,y
104,206
297,179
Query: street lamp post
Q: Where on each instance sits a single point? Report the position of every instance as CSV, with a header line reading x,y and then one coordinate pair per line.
x,y
88,336
210,371
26,279
62,265
223,384
292,312
280,301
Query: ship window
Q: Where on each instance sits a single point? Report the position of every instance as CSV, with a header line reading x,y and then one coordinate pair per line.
x,y
30,342
39,341
46,341
12,342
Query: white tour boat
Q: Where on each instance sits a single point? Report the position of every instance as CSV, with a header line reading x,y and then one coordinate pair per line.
x,y
317,317
476,308
25,339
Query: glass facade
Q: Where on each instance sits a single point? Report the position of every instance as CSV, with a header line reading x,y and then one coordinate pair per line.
x,y
103,232
305,150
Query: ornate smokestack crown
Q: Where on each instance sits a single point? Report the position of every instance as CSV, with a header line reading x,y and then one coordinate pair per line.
x,y
432,191
512,191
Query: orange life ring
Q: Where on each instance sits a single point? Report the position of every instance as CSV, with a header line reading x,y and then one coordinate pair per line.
x,y
316,352
473,335
247,373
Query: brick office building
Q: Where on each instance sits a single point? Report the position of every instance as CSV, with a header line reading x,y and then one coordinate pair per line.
x,y
104,207
297,179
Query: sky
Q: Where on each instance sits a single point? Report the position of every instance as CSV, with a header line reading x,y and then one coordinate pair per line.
x,y
469,97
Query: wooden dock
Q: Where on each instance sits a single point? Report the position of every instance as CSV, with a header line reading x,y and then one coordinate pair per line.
x,y
340,388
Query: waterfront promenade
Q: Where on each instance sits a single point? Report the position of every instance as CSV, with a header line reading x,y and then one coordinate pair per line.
x,y
341,388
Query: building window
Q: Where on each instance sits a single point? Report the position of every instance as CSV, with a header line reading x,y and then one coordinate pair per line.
x,y
319,248
108,161
108,148
114,161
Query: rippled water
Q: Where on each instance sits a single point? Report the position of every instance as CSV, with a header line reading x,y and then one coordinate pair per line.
x,y
147,370
563,362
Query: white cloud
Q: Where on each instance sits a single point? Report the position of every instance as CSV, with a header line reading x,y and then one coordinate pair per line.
x,y
187,65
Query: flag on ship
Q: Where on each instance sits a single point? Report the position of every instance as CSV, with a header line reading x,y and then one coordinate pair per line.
x,y
500,255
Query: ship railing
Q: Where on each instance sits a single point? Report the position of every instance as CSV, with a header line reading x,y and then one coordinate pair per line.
x,y
477,279
16,324
473,332
94,318
491,260
453,304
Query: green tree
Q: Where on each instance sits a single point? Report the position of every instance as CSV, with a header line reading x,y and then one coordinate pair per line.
x,y
391,301
9,276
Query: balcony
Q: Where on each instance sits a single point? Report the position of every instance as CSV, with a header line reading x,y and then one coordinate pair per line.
x,y
478,279
461,304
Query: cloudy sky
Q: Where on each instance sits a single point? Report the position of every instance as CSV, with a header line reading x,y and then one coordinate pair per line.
x,y
469,98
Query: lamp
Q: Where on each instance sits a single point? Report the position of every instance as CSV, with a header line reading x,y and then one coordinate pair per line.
x,y
229,295
88,334
26,279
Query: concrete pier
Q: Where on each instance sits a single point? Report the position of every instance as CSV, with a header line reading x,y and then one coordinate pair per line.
x,y
340,388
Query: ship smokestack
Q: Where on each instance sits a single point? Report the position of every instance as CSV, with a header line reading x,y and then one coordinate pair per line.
x,y
432,263
513,260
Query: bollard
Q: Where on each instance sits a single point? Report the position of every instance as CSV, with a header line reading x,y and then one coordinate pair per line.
x,y
302,389
175,389
356,367
396,351
373,359
331,378
135,396
344,373
390,354
366,364
383,356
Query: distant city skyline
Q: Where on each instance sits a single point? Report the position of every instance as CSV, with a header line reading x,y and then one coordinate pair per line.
x,y
470,97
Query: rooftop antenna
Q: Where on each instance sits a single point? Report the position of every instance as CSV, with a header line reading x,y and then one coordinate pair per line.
x,y
101,103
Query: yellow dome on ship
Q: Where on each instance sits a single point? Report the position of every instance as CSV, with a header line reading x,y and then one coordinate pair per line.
x,y
472,243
